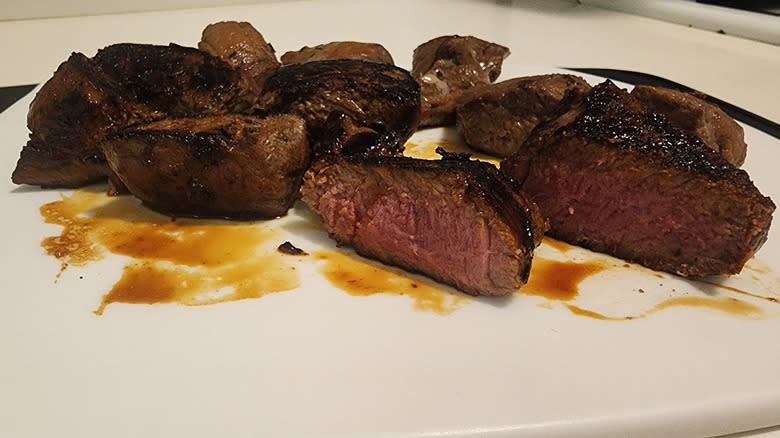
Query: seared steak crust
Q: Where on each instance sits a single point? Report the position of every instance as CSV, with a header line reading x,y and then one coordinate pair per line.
x,y
699,117
124,84
458,221
497,118
339,50
616,178
448,65
69,114
341,97
178,81
229,166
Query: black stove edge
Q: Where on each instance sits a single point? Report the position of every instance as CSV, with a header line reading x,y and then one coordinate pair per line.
x,y
638,78
9,95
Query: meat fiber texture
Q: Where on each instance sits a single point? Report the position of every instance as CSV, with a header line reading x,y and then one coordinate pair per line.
x,y
458,221
613,177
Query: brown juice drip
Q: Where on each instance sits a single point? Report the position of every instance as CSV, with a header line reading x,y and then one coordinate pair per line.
x,y
728,305
187,261
558,245
198,262
360,277
740,291
559,280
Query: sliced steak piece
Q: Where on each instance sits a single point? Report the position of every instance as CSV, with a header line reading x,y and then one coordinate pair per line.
x,y
241,46
458,221
342,97
616,178
497,118
705,120
178,81
339,50
447,65
230,166
76,107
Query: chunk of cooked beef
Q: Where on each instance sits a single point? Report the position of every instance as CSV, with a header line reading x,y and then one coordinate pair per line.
x,y
242,47
704,119
455,220
230,166
350,106
448,65
76,107
616,178
339,50
497,118
178,81
124,84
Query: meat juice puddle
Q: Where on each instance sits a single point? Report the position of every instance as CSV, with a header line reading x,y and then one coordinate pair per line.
x,y
186,261
360,277
200,262
561,281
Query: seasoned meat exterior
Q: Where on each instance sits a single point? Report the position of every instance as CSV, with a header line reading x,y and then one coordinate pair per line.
x,y
242,47
448,65
177,81
458,221
350,106
124,84
230,166
705,120
339,50
497,118
616,178
67,117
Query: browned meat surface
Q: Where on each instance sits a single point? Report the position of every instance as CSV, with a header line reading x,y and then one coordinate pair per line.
x,y
339,50
229,166
616,178
447,65
458,221
123,84
177,81
350,106
241,46
289,248
705,120
497,118
71,111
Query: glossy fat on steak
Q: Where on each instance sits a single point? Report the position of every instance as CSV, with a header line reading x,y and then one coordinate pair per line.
x,y
446,66
497,118
615,178
230,166
458,221
242,47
